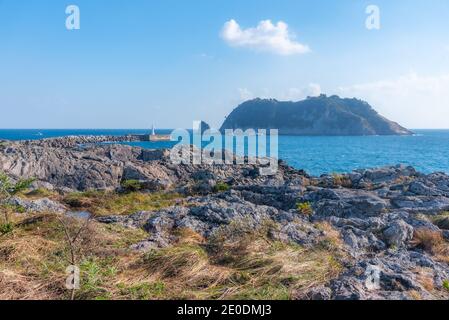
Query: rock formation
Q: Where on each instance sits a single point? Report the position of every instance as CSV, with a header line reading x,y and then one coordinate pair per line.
x,y
317,116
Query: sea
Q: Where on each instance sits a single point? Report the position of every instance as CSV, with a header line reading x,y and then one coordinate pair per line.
x,y
426,150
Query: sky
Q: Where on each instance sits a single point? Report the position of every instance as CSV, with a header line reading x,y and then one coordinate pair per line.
x,y
170,62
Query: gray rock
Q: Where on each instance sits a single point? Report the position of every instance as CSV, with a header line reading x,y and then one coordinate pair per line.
x,y
398,233
37,206
346,203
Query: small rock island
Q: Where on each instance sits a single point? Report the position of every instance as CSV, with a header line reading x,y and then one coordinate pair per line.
x,y
315,116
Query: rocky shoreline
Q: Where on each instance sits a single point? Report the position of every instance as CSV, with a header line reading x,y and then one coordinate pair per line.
x,y
389,219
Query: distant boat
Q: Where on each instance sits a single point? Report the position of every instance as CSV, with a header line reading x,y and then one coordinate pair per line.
x,y
39,134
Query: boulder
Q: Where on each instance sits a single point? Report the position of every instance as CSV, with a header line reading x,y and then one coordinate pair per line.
x,y
398,233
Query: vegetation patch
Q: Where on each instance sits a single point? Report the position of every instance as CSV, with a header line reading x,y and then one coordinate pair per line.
x,y
305,208
132,185
106,203
441,220
221,187
240,261
341,180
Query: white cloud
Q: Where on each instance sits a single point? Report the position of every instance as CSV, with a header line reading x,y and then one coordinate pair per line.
x,y
296,94
245,94
412,100
265,37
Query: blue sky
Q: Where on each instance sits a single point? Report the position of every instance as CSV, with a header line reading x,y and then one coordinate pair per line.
x,y
136,62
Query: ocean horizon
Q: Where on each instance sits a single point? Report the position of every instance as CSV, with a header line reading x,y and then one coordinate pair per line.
x,y
427,150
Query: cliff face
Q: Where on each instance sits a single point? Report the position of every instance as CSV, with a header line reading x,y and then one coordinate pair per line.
x,y
314,116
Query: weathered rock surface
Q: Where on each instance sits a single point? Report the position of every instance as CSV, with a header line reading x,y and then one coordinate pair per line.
x,y
39,205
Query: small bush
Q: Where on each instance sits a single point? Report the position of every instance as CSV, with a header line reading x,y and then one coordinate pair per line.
x,y
132,185
305,208
22,185
341,180
221,187
6,228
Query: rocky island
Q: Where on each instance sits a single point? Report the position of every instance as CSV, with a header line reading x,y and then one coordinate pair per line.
x,y
315,116
147,229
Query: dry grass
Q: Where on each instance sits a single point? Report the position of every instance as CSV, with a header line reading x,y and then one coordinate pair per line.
x,y
424,276
105,203
441,220
265,271
331,238
239,261
342,180
428,240
35,255
433,243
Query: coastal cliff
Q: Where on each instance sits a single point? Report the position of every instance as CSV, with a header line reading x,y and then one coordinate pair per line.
x,y
315,116
216,232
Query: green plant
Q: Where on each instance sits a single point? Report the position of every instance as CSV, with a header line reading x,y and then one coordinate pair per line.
x,y
446,284
6,228
132,185
304,208
221,187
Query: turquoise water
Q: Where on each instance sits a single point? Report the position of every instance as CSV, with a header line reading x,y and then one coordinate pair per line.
x,y
428,150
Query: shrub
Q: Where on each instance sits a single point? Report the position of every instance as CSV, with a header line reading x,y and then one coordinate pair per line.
x,y
6,228
221,187
132,185
305,208
341,180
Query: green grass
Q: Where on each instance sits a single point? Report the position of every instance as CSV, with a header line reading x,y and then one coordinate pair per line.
x,y
446,285
40,193
6,228
105,203
143,291
131,185
221,187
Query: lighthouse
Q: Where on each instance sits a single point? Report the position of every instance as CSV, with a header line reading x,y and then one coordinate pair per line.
x,y
153,131
157,137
